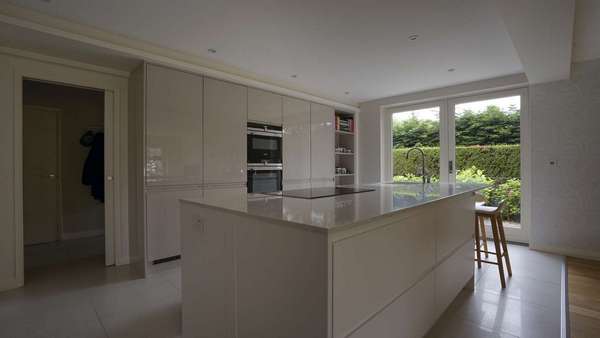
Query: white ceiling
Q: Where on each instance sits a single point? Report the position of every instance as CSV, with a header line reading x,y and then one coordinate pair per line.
x,y
542,34
333,46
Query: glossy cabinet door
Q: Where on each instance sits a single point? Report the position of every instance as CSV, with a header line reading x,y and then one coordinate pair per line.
x,y
225,118
296,142
264,107
173,127
322,136
162,219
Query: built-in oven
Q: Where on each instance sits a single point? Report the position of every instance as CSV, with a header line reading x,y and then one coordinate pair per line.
x,y
264,144
265,178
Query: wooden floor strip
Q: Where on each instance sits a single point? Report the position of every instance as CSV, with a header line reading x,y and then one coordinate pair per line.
x,y
584,297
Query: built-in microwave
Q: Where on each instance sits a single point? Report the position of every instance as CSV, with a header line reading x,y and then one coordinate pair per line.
x,y
264,144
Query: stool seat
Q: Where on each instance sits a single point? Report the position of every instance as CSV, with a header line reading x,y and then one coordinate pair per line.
x,y
482,209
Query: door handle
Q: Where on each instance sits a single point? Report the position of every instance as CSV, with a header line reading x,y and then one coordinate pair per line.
x,y
51,176
109,178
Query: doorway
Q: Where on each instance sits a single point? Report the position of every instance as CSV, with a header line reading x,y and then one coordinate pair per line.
x,y
63,174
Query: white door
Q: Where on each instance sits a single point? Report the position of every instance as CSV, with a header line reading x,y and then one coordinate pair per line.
x,y
40,175
485,144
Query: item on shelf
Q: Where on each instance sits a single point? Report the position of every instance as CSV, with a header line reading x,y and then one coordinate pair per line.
x,y
342,171
345,124
343,150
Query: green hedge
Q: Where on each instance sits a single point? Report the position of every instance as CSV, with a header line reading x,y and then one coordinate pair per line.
x,y
498,162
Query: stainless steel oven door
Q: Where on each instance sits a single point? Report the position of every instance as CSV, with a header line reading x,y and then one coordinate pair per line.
x,y
264,179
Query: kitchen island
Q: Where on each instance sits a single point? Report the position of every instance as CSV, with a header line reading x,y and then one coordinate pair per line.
x,y
383,263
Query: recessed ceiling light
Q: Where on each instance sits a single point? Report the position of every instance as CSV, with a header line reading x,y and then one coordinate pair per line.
x,y
212,51
294,76
451,70
413,37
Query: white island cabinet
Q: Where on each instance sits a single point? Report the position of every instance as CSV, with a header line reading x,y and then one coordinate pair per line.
x,y
383,263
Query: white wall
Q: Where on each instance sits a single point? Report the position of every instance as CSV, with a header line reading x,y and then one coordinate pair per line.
x,y
565,119
80,109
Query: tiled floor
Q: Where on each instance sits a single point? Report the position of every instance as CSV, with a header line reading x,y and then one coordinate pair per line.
x,y
62,252
85,299
529,307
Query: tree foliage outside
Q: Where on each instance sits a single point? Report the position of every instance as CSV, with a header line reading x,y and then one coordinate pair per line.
x,y
488,151
490,127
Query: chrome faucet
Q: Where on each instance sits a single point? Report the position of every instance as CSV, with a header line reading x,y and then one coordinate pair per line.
x,y
423,173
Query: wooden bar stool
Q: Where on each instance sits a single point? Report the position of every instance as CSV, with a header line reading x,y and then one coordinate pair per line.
x,y
494,214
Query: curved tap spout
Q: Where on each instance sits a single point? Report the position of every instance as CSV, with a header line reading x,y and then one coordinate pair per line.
x,y
423,174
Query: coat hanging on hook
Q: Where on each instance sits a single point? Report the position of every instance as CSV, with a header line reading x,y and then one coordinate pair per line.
x,y
93,168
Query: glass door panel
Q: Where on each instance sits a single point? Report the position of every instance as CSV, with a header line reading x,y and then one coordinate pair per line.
x,y
416,128
485,145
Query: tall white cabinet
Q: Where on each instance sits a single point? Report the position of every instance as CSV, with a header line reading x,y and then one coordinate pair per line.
x,y
173,132
322,138
173,127
296,143
225,119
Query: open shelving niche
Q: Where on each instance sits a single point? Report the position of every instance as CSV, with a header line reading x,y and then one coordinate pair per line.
x,y
346,158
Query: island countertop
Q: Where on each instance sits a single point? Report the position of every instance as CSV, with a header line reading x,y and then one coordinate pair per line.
x,y
331,212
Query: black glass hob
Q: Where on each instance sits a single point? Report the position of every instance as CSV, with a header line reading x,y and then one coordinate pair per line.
x,y
312,193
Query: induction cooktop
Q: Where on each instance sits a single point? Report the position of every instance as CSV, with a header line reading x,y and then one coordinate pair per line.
x,y
319,192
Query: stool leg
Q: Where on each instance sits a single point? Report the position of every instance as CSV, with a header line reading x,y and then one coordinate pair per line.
x,y
498,252
483,235
504,246
477,249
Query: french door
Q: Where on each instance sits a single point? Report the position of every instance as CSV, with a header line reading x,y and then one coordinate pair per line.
x,y
471,139
486,145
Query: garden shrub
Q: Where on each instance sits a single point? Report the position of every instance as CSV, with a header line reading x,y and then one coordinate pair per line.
x,y
509,192
498,162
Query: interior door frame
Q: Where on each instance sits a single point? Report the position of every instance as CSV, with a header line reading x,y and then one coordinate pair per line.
x,y
387,173
109,155
515,235
115,118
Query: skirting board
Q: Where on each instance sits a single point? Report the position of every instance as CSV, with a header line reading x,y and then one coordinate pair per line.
x,y
566,251
81,234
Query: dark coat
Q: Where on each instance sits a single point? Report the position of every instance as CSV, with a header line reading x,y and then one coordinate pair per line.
x,y
93,168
